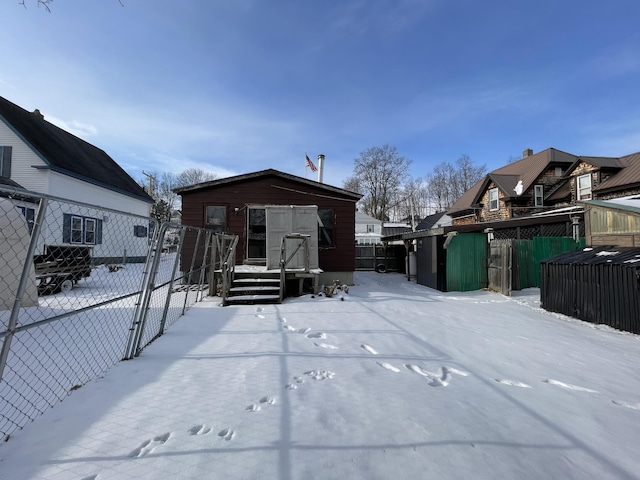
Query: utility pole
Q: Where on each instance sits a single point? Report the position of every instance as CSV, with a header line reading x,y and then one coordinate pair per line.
x,y
151,178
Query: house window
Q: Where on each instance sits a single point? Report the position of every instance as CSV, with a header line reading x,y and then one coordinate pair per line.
x,y
5,162
558,171
81,230
139,231
216,218
493,200
538,194
584,187
29,216
370,228
325,228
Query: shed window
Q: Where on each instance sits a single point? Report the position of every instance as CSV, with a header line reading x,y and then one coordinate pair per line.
x,y
5,162
139,231
216,218
493,200
325,228
370,228
538,195
584,187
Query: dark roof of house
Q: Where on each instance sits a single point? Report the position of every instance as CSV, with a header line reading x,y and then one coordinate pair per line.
x,y
427,222
10,183
506,178
600,255
602,162
629,176
266,173
67,154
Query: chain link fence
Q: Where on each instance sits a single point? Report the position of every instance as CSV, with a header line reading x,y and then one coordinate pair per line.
x,y
82,288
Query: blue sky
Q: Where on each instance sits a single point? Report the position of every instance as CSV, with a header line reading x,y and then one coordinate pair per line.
x,y
238,86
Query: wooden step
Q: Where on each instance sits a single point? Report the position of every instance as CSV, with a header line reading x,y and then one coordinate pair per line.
x,y
251,299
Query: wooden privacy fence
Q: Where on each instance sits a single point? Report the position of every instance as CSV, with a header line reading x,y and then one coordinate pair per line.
x,y
599,285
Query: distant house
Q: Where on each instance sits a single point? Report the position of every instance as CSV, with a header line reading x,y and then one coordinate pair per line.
x,y
544,181
38,156
437,220
368,229
261,207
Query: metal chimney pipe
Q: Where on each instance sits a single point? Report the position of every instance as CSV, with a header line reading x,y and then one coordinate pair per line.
x,y
320,167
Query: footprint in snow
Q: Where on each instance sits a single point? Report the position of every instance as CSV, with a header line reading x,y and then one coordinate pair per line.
x,y
325,345
304,330
568,386
259,309
369,349
149,446
633,406
226,434
260,316
268,400
253,408
200,430
320,335
435,380
511,383
388,366
290,328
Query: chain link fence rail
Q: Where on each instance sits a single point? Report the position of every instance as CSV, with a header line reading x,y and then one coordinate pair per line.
x,y
82,288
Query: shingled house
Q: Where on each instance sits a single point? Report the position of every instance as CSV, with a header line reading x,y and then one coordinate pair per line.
x,y
545,181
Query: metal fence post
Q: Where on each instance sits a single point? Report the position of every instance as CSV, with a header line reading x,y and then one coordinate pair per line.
x,y
170,289
193,262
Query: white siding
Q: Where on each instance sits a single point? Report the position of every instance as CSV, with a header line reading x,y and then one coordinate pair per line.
x,y
22,159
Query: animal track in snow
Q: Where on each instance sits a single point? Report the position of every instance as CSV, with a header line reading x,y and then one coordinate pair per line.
x,y
226,434
149,446
455,371
90,477
320,374
369,349
511,383
304,330
290,328
388,366
268,400
253,408
320,335
259,309
325,345
633,406
200,430
568,386
290,386
260,316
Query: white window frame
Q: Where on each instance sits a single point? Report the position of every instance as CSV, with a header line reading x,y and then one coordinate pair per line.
x,y
538,195
77,230
371,228
494,198
584,192
90,230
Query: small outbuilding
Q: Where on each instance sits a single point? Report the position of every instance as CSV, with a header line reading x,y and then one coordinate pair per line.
x,y
262,207
597,284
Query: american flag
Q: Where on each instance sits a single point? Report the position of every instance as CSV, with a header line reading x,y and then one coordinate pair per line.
x,y
310,164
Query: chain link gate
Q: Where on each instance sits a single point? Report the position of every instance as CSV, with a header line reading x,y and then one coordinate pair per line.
x,y
83,287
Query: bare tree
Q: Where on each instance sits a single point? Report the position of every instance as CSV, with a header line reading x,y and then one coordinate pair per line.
x,y
191,176
46,3
378,174
448,182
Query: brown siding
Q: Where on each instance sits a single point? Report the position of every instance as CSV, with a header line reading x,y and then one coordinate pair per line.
x,y
274,190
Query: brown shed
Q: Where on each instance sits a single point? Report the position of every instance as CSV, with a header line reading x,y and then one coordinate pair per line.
x,y
241,205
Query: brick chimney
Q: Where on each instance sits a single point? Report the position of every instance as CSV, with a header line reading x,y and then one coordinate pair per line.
x,y
527,153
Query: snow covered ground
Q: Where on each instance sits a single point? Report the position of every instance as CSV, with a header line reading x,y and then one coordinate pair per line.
x,y
390,381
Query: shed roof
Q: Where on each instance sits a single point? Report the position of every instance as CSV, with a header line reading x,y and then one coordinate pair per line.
x,y
67,154
266,173
601,255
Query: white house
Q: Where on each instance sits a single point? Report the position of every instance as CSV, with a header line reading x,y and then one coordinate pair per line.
x,y
368,229
42,158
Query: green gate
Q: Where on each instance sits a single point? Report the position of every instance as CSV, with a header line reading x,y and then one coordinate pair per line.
x,y
467,262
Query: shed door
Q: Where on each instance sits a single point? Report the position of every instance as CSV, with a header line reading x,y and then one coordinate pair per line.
x,y
282,220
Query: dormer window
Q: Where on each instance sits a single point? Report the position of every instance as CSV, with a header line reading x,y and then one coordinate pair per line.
x,y
538,195
584,187
558,171
493,200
